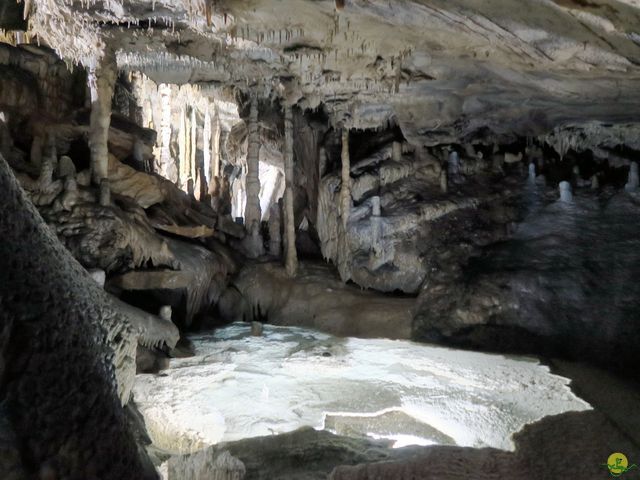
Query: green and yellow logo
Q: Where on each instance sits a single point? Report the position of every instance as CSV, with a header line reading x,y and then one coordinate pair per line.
x,y
618,464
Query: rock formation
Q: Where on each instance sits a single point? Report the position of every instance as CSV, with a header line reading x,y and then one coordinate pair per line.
x,y
68,356
291,257
101,83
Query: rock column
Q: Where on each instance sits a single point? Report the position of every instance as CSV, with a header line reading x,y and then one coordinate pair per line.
x,y
182,149
275,236
345,190
165,129
252,213
376,232
102,80
193,145
291,256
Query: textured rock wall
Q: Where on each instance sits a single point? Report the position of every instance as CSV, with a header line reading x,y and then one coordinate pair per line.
x,y
67,357
561,285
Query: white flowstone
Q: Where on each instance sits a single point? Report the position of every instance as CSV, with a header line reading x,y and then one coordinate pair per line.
x,y
239,386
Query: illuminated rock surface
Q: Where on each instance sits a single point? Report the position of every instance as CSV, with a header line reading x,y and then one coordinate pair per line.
x,y
238,386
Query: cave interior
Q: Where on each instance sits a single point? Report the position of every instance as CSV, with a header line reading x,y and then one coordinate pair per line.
x,y
319,239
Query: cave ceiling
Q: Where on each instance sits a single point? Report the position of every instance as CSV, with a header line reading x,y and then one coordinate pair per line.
x,y
444,70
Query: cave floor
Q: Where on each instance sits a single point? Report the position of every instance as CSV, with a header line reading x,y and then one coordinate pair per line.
x,y
320,403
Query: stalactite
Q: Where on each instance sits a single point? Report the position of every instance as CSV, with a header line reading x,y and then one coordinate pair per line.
x,y
252,212
101,82
345,189
291,257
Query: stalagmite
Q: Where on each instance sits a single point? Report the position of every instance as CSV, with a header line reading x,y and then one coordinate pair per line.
x,y
454,164
532,173
36,150
444,186
291,257
165,312
98,275
252,209
345,189
66,167
101,82
576,176
396,152
565,192
105,192
633,180
469,150
256,329
47,167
